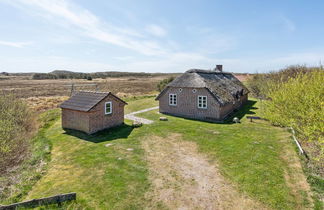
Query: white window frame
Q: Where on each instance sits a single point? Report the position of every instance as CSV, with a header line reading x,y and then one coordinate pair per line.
x,y
173,100
202,105
111,108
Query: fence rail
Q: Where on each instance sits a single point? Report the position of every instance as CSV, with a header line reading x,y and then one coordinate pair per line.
x,y
57,199
301,151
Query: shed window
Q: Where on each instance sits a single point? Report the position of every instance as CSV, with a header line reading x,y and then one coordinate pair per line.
x,y
202,102
108,107
173,99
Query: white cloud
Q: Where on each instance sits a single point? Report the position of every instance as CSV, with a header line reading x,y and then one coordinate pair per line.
x,y
63,11
15,44
156,30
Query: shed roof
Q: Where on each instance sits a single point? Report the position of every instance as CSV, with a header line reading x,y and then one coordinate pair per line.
x,y
222,85
86,100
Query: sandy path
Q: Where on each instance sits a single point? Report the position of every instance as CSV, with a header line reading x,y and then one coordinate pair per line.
x,y
131,116
182,178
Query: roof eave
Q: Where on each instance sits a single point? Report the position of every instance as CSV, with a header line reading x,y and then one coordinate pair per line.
x,y
161,93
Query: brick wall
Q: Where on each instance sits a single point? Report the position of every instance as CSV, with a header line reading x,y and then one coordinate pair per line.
x,y
230,107
77,120
187,104
98,120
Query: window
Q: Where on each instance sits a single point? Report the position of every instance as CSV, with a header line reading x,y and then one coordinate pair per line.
x,y
180,89
108,107
202,102
194,90
173,99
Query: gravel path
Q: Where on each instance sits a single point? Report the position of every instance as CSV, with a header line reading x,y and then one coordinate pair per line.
x,y
131,116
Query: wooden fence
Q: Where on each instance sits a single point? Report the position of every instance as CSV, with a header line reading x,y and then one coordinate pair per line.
x,y
57,199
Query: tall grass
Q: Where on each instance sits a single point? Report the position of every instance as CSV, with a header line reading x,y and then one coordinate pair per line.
x,y
16,126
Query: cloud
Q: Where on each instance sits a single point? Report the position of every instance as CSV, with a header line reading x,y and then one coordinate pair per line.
x,y
156,30
15,44
65,12
288,24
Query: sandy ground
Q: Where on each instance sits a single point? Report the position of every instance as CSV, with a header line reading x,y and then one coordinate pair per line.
x,y
131,116
182,178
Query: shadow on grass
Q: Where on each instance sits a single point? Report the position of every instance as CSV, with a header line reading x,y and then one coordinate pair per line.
x,y
122,131
240,113
246,109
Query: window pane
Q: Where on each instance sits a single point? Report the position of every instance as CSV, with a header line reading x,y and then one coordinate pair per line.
x,y
108,108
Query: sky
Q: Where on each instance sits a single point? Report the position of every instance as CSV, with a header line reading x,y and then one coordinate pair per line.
x,y
244,36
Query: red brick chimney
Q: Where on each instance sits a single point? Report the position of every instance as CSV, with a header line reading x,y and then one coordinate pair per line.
x,y
219,68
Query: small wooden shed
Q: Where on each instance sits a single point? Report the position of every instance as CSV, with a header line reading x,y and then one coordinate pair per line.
x,y
92,111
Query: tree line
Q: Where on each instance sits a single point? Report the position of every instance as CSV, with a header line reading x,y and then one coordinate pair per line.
x,y
90,76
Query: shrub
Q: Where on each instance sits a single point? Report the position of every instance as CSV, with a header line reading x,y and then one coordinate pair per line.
x,y
299,102
16,125
161,85
259,84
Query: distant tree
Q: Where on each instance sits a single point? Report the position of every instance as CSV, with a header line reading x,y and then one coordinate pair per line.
x,y
89,78
161,85
5,73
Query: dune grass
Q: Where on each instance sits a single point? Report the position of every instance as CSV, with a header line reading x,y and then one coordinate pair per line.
x,y
250,156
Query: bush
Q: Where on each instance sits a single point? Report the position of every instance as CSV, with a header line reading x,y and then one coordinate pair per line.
x,y
161,85
299,102
259,84
16,126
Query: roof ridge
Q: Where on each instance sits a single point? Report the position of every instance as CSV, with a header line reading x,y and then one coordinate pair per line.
x,y
204,71
91,91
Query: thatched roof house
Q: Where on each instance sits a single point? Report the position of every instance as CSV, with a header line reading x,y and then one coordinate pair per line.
x,y
203,94
92,111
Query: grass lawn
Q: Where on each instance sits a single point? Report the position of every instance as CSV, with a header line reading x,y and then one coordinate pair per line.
x,y
252,156
139,103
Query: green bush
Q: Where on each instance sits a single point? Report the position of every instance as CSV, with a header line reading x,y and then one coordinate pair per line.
x,y
259,84
299,102
16,124
161,85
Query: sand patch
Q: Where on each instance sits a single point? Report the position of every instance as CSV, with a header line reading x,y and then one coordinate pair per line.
x,y
182,178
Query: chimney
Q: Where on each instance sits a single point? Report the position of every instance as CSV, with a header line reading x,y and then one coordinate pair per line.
x,y
219,68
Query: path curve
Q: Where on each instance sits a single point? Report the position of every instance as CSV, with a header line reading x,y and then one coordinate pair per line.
x,y
131,116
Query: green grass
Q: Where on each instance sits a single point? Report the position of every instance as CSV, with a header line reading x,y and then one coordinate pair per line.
x,y
139,103
249,155
83,164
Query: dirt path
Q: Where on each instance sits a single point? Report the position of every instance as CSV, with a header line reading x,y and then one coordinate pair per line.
x,y
131,116
182,178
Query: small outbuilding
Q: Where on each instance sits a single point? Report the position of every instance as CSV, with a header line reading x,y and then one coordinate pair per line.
x,y
92,111
209,95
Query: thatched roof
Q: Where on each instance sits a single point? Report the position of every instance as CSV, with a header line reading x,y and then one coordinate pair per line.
x,y
224,86
86,100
